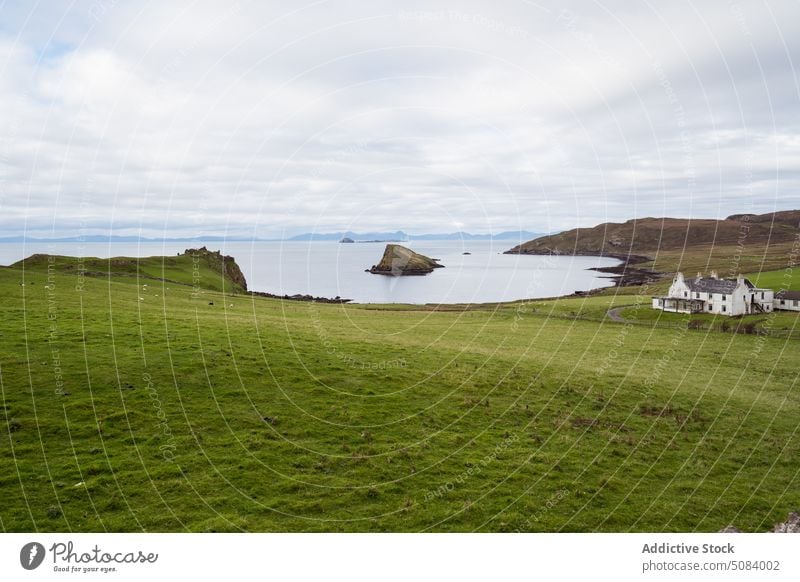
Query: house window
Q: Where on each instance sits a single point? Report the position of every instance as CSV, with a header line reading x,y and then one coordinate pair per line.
x,y
784,302
697,295
762,295
796,303
709,307
723,297
723,308
685,293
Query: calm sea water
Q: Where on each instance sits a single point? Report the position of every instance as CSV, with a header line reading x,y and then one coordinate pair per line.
x,y
328,269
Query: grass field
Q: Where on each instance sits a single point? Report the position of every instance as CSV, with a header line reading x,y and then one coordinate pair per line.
x,y
780,279
172,408
728,260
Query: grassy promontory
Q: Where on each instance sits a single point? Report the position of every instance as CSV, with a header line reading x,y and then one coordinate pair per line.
x,y
156,395
738,244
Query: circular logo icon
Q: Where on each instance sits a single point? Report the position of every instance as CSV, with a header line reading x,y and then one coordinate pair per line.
x,y
31,555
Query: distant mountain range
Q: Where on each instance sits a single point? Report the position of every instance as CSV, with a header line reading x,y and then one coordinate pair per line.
x,y
101,238
519,236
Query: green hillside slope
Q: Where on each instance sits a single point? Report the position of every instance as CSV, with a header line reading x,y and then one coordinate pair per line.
x,y
169,408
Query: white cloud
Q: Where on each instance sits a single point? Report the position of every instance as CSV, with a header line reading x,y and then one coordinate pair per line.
x,y
205,117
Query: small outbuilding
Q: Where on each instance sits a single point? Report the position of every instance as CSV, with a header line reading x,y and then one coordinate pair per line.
x,y
787,300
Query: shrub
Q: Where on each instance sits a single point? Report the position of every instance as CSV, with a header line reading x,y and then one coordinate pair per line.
x,y
747,328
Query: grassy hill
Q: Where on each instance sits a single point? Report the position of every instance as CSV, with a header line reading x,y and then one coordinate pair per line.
x,y
757,242
199,268
185,405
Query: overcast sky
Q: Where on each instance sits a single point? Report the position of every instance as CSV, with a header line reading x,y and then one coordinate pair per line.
x,y
187,118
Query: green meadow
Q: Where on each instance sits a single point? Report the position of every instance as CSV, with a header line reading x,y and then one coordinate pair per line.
x,y
155,395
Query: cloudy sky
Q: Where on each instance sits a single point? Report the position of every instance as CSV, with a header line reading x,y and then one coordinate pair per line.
x,y
258,118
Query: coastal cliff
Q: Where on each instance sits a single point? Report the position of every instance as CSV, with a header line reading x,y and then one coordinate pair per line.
x,y
223,264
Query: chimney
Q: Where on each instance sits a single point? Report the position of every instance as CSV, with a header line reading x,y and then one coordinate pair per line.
x,y
678,277
714,275
699,276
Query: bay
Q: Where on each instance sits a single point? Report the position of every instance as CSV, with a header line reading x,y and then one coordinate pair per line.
x,y
330,269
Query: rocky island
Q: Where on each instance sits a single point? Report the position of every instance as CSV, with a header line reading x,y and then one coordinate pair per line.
x,y
398,260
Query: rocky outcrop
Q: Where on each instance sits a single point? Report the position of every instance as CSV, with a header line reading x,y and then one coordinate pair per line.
x,y
791,525
398,260
224,264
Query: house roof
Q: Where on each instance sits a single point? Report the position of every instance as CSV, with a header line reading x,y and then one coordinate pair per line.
x,y
712,285
787,295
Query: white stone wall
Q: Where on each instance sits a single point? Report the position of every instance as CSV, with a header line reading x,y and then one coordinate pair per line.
x,y
766,298
787,305
678,287
739,299
726,304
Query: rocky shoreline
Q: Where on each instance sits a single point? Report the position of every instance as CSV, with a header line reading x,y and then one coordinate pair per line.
x,y
624,274
299,297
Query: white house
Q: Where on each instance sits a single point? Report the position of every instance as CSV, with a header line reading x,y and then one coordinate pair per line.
x,y
714,295
788,300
